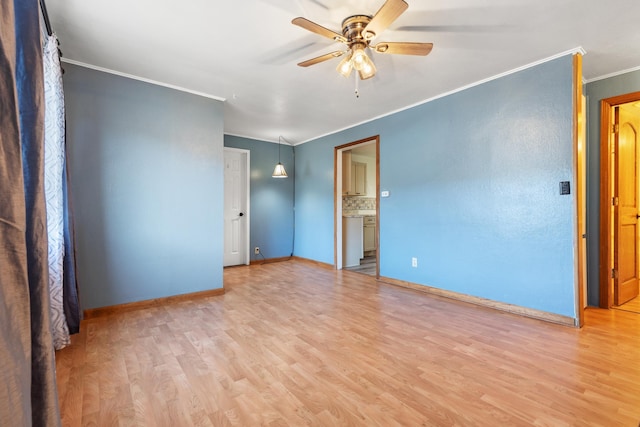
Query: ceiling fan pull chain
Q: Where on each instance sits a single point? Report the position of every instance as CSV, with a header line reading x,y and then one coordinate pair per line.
x,y
356,77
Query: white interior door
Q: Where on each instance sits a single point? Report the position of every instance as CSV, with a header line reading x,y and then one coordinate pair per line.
x,y
236,207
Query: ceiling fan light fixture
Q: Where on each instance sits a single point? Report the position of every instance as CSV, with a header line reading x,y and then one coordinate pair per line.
x,y
367,70
345,66
359,56
358,33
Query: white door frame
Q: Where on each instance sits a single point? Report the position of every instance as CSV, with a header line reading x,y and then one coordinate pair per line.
x,y
247,214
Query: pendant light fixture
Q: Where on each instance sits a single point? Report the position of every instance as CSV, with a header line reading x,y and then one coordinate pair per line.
x,y
279,171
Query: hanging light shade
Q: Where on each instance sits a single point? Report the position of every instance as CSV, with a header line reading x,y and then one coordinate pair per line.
x,y
279,171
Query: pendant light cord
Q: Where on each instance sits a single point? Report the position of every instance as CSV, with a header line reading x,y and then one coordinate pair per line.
x,y
293,200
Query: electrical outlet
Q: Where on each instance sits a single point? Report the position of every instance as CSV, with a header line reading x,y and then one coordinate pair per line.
x,y
256,250
414,262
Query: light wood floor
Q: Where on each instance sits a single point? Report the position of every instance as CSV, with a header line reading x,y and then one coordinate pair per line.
x,y
633,305
367,266
293,344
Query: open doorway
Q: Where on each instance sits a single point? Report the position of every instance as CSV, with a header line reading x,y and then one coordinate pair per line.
x,y
620,202
357,214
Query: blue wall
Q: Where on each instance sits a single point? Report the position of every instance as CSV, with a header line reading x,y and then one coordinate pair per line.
x,y
474,182
314,198
473,179
595,92
147,180
271,199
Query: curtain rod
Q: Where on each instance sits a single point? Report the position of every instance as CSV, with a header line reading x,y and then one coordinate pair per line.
x,y
45,15
47,24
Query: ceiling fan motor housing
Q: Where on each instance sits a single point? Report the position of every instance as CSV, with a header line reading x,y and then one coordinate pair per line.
x,y
353,29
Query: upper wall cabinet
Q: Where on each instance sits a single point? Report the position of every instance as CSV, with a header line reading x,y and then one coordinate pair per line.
x,y
346,172
354,176
358,179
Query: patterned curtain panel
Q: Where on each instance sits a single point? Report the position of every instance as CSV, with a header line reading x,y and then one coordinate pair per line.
x,y
28,393
53,180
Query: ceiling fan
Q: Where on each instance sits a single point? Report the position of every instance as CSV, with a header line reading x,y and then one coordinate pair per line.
x,y
358,33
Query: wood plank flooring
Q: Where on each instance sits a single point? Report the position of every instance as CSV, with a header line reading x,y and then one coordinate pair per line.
x,y
633,305
367,266
293,344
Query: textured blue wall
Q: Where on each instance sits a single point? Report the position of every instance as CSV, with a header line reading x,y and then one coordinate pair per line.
x,y
271,199
147,180
474,181
595,92
314,200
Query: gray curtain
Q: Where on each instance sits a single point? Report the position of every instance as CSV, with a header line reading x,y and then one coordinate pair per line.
x,y
70,285
28,394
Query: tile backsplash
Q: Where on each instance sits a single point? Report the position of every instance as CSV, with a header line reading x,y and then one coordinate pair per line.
x,y
358,203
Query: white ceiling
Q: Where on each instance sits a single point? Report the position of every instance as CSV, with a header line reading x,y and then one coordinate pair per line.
x,y
246,52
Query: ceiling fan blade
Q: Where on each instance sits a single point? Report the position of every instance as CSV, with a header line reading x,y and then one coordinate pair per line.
x,y
388,13
404,48
322,58
318,29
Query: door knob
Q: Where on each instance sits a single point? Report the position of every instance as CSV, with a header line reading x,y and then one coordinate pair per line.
x,y
240,214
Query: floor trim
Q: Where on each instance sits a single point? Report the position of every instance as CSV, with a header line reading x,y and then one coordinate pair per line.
x,y
269,260
496,305
92,313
